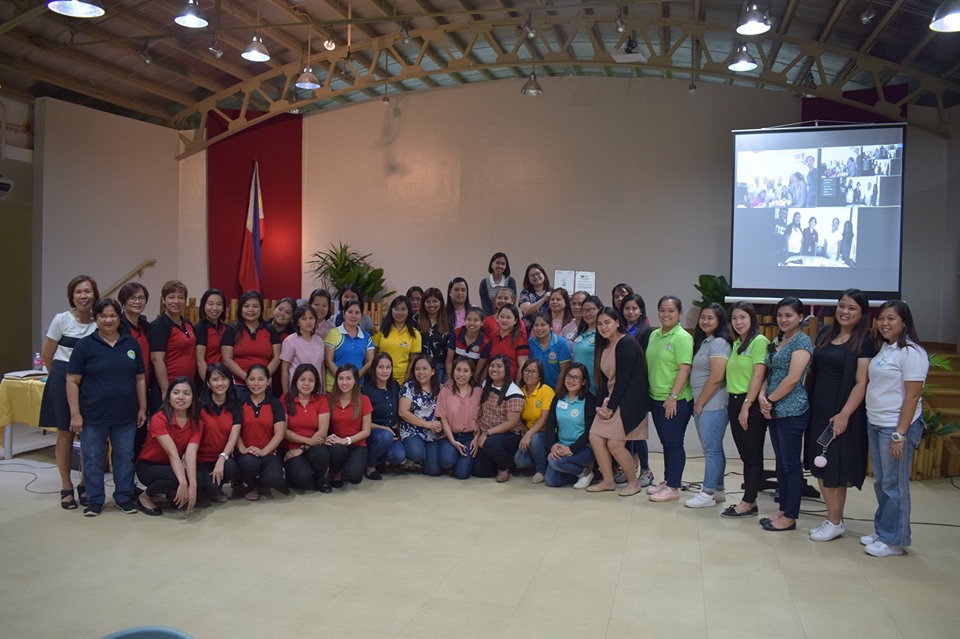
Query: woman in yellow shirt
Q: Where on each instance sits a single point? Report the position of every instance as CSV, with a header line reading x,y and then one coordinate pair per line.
x,y
398,336
536,407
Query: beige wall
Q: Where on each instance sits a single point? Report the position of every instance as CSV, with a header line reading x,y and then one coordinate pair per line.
x,y
17,346
107,198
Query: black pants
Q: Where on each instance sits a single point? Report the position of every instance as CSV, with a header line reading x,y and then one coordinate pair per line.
x,y
309,469
749,444
348,461
205,482
158,478
256,472
496,454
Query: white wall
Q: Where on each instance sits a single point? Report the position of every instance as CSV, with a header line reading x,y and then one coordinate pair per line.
x,y
192,230
106,199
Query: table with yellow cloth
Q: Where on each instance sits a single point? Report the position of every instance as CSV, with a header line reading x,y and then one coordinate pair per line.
x,y
19,404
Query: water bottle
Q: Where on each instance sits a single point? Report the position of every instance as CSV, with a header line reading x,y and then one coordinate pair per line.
x,y
38,363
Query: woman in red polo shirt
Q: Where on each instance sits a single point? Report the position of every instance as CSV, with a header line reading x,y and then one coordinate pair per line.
x,y
250,341
210,329
510,340
173,341
350,423
220,417
263,426
168,461
308,418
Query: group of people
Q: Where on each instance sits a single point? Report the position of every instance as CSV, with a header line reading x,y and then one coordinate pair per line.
x,y
791,239
562,384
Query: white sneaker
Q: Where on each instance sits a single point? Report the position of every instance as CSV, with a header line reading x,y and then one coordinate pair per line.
x,y
719,496
620,477
818,527
827,531
653,490
880,549
866,540
645,478
701,500
584,480
537,478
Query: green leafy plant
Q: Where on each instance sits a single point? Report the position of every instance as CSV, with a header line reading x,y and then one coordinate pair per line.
x,y
933,425
341,264
713,288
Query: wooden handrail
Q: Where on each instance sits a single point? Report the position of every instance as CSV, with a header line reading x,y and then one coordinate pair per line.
x,y
138,271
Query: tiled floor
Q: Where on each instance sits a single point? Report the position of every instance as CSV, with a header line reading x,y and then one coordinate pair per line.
x,y
413,556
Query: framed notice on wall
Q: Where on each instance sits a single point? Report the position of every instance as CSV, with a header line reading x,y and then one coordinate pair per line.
x,y
564,280
586,281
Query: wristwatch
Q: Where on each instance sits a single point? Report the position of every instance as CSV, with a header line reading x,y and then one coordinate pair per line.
x,y
897,437
224,455
349,441
674,396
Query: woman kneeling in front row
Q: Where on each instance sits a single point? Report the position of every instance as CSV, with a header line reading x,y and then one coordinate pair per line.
x,y
567,432
168,461
350,423
306,456
263,426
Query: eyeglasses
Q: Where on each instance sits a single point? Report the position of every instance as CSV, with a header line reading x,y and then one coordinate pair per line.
x,y
575,378
531,371
138,298
590,309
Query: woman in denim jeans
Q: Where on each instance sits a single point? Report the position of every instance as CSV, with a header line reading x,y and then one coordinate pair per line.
x,y
894,426
708,381
783,400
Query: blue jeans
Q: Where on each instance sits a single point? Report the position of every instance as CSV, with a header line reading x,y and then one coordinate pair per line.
x,y
671,432
382,448
93,447
711,426
423,452
462,465
535,455
566,470
891,483
787,435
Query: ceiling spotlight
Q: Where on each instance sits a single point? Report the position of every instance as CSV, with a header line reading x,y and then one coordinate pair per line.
x,y
808,88
754,22
308,80
947,17
621,25
867,16
528,29
330,44
255,51
77,8
191,16
531,87
631,46
692,89
742,61
215,49
385,100
144,54
405,32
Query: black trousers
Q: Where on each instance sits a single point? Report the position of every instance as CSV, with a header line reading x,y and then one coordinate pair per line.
x,y
309,469
158,478
348,461
496,454
749,444
264,471
205,482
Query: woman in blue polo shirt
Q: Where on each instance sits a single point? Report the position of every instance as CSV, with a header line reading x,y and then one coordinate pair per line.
x,y
585,342
348,344
567,432
107,395
250,341
551,350
351,293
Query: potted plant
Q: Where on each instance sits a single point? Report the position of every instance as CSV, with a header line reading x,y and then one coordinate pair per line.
x,y
713,288
341,264
928,457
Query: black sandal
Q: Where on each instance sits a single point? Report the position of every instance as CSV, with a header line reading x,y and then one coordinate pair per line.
x,y
82,494
71,504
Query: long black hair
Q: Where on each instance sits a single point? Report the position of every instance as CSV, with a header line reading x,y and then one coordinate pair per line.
x,y
507,379
797,306
210,292
723,326
318,386
387,323
193,412
596,301
206,395
240,327
859,332
754,329
585,388
908,337
602,342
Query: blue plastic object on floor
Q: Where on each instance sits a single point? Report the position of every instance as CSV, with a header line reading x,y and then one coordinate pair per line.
x,y
149,632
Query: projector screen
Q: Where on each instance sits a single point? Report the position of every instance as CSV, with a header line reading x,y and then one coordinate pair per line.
x,y
817,210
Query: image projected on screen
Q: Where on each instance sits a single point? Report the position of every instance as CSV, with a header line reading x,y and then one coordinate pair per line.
x,y
817,210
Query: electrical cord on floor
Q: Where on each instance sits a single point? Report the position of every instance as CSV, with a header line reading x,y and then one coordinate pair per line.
x,y
3,469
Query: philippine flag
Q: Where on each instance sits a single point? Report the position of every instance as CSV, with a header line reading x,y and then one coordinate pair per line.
x,y
252,237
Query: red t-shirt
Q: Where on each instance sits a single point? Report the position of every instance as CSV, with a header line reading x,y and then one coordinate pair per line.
x,y
250,348
491,326
153,451
216,432
342,422
305,420
510,347
256,425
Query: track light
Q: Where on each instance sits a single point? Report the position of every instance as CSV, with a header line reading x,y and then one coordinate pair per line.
x,y
692,89
191,16
255,51
621,25
631,46
215,49
867,16
405,32
742,61
531,87
754,22
947,17
528,29
77,8
144,54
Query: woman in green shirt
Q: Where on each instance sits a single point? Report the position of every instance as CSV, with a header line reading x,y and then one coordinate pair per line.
x,y
745,373
669,358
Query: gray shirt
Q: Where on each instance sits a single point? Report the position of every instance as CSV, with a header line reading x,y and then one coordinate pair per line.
x,y
700,371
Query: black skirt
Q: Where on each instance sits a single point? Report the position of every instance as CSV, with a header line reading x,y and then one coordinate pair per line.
x,y
54,409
